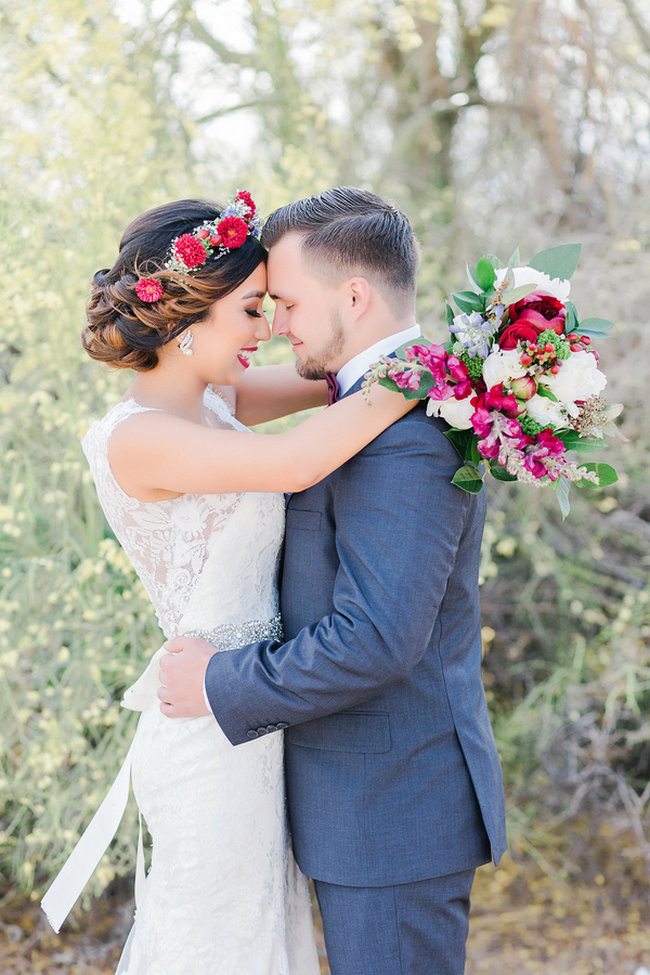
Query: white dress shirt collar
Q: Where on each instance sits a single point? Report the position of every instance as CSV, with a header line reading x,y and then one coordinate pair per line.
x,y
353,370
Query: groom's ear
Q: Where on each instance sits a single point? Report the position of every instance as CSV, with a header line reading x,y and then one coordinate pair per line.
x,y
358,293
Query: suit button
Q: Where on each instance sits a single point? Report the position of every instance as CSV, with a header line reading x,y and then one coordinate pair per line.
x,y
251,734
261,731
281,725
270,728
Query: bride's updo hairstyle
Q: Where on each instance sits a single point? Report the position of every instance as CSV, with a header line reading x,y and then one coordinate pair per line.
x,y
126,331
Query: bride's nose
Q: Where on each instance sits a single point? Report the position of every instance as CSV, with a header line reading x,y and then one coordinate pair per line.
x,y
263,329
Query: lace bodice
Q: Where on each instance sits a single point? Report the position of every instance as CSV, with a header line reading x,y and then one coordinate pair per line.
x,y
205,560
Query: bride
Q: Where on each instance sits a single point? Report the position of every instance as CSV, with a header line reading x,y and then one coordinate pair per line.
x,y
195,500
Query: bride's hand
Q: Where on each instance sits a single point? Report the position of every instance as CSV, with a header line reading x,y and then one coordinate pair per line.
x,y
182,676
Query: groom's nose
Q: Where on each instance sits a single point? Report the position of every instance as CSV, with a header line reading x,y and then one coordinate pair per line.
x,y
279,325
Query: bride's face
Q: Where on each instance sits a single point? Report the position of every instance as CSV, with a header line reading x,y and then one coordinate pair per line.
x,y
231,332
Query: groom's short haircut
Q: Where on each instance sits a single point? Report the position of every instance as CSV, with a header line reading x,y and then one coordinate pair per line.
x,y
352,231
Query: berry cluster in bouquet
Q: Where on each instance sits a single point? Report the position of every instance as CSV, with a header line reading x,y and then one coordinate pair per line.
x,y
518,382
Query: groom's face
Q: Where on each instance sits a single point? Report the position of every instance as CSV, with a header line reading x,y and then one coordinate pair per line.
x,y
308,309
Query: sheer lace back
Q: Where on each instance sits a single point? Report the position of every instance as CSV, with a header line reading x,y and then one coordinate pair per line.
x,y
204,559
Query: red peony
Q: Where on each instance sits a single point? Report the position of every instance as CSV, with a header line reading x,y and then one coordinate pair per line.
x,y
540,310
233,232
246,198
519,331
149,289
190,251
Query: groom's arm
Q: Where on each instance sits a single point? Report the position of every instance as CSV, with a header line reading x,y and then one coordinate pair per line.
x,y
398,526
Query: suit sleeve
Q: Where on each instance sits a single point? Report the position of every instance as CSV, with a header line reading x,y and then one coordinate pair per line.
x,y
399,521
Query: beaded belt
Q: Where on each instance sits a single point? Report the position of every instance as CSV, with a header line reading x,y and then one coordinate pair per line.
x,y
66,887
231,635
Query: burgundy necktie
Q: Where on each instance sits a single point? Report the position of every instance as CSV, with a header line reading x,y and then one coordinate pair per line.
x,y
332,388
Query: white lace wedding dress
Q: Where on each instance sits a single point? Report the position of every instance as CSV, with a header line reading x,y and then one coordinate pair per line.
x,y
223,894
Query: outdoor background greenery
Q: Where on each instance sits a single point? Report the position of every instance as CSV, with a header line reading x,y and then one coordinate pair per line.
x,y
492,124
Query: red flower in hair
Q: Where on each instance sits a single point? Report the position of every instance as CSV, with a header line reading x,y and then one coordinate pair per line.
x,y
190,250
149,289
233,232
245,196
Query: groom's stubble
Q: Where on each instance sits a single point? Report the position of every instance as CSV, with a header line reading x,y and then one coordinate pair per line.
x,y
317,365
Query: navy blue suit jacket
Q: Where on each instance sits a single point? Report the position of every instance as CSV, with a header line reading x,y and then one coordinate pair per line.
x,y
392,773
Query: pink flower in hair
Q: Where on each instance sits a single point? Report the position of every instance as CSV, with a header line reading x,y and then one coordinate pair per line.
x,y
190,250
233,232
149,290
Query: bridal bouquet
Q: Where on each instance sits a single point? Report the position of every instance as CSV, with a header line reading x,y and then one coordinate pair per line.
x,y
518,382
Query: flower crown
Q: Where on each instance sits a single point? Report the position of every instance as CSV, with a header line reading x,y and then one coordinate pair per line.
x,y
213,238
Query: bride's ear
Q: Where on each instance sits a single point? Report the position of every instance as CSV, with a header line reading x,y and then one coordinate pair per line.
x,y
358,295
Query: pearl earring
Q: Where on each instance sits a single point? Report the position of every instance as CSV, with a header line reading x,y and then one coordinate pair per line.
x,y
185,344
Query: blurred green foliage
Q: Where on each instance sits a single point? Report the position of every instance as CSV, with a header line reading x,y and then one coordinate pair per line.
x,y
104,119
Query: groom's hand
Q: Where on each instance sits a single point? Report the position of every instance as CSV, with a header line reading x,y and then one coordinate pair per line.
x,y
182,673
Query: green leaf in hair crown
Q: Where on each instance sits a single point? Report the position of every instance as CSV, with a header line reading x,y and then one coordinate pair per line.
x,y
518,385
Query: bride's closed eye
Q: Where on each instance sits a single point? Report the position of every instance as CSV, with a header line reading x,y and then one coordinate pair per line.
x,y
253,313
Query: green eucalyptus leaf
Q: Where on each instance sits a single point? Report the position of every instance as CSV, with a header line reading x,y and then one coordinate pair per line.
x,y
557,262
515,259
470,270
485,275
572,323
573,441
606,475
500,473
389,384
468,301
426,382
546,393
450,314
595,326
494,261
513,295
468,478
463,441
562,488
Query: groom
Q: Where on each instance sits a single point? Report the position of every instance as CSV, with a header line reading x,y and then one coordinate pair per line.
x,y
393,781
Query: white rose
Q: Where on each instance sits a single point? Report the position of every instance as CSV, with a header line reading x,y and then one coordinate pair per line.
x,y
557,287
455,411
546,412
578,379
501,366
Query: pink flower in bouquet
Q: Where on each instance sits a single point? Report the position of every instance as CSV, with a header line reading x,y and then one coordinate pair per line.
x,y
458,372
432,357
405,380
481,421
539,310
497,399
546,446
502,438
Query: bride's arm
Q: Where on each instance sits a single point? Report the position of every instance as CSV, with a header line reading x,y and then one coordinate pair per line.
x,y
155,455
267,392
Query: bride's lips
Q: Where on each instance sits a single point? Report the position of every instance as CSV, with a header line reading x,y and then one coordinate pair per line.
x,y
244,357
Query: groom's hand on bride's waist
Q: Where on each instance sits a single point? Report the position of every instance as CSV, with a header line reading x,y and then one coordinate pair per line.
x,y
182,673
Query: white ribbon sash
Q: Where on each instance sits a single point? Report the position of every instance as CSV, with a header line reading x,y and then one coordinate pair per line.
x,y
67,886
